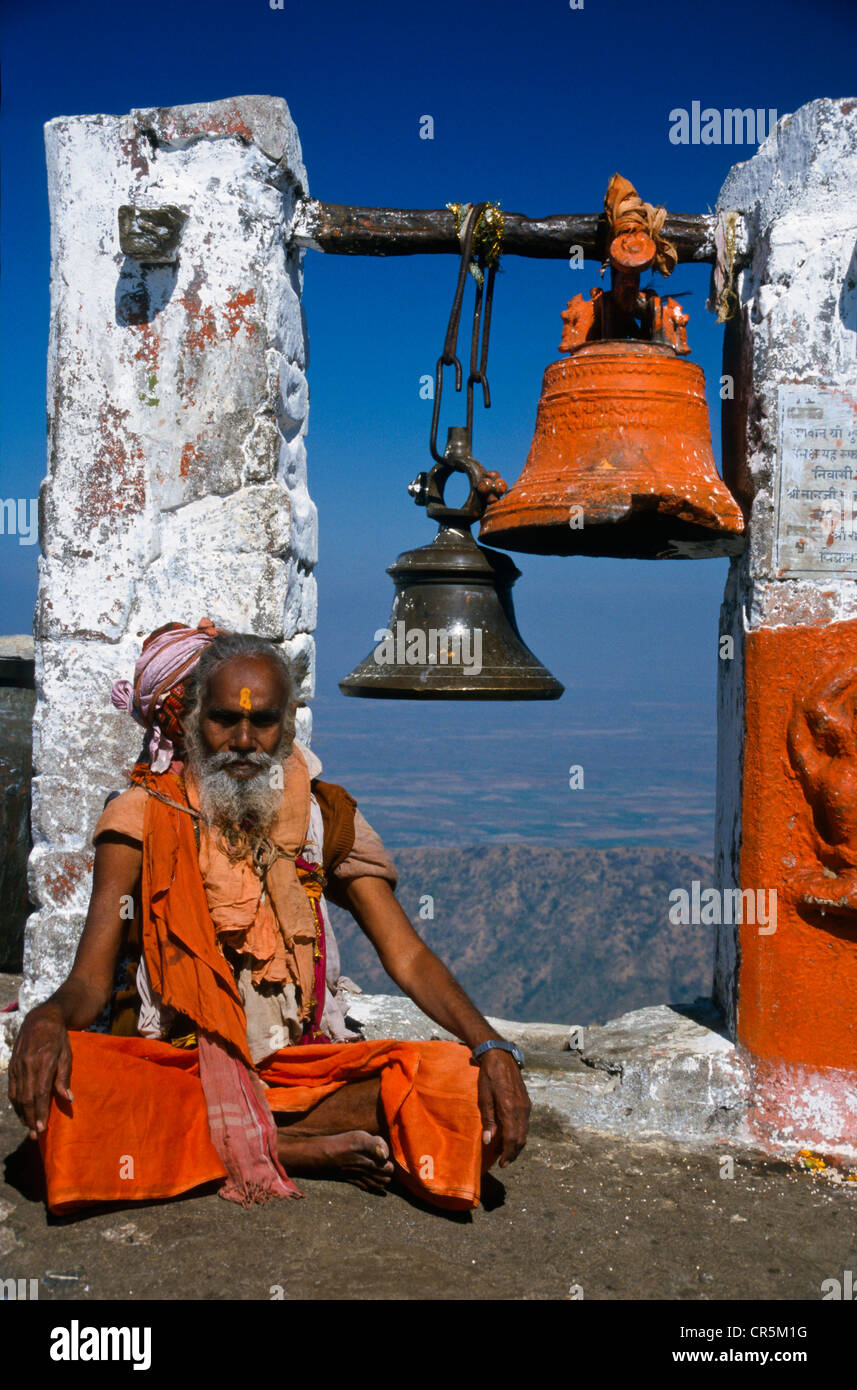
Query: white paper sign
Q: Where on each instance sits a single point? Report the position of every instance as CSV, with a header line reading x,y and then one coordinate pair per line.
x,y
816,502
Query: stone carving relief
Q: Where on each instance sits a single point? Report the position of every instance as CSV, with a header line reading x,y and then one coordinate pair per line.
x,y
822,745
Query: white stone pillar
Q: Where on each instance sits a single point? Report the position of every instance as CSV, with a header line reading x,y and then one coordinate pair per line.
x,y
177,409
787,816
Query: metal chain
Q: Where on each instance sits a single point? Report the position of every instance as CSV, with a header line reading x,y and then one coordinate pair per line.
x,y
478,374
448,357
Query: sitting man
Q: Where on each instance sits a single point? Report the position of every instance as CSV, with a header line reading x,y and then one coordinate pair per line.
x,y
208,874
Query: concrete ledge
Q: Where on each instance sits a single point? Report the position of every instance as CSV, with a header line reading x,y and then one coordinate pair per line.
x,y
665,1071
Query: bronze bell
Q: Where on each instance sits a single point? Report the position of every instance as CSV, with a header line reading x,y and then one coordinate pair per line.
x,y
621,461
452,633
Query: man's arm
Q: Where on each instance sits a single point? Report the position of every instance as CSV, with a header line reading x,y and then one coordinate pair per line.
x,y
503,1099
41,1060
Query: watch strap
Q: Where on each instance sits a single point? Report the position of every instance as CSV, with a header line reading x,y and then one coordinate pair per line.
x,y
503,1045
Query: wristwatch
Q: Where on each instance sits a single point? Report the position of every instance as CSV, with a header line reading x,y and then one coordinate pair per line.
x,y
504,1047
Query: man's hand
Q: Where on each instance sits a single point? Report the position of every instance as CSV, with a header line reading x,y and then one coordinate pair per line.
x,y
503,1103
39,1067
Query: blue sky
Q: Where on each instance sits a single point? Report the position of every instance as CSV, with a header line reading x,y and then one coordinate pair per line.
x,y
534,106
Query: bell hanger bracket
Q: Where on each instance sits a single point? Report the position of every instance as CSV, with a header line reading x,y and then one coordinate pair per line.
x,y
625,312
486,485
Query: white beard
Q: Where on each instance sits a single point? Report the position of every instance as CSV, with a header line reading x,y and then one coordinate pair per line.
x,y
231,803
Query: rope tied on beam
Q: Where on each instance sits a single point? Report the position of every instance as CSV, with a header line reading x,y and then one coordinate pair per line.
x,y
626,212
723,300
487,237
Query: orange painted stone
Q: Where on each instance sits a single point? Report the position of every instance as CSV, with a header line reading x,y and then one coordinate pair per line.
x,y
797,989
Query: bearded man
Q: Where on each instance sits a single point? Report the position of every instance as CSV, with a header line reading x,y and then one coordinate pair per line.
x,y
232,1013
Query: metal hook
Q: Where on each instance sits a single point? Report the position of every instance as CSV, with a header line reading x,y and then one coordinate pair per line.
x,y
448,357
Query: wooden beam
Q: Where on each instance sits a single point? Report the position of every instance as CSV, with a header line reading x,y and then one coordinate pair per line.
x,y
355,231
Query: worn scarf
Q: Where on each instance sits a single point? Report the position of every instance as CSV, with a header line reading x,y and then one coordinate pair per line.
x,y
187,967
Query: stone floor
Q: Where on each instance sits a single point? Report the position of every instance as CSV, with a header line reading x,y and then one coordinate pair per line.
x,y
618,1219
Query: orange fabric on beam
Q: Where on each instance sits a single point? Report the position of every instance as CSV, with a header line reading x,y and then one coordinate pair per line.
x,y
138,1127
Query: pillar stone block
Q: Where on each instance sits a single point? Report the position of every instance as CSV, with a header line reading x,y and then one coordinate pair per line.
x,y
786,826
177,409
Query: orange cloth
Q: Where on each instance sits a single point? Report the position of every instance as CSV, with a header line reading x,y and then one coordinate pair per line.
x,y
185,966
138,1127
364,854
278,929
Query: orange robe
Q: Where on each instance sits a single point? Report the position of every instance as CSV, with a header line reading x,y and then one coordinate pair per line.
x,y
138,1127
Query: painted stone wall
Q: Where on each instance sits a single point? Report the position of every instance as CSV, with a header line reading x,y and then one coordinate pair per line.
x,y
177,409
788,700
16,741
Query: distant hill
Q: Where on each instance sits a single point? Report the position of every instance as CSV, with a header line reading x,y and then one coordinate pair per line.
x,y
568,936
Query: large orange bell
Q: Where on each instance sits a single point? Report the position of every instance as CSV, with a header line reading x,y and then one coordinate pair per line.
x,y
621,461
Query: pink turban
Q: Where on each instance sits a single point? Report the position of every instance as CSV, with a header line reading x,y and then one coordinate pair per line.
x,y
155,699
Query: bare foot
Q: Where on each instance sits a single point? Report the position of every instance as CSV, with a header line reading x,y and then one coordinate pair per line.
x,y
357,1156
